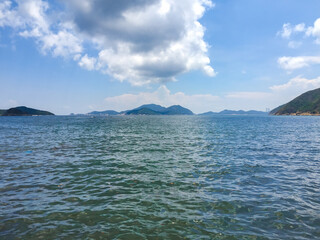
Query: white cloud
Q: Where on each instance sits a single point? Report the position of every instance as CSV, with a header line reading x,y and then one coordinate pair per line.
x,y
288,30
31,20
292,63
286,92
34,13
298,84
278,94
314,31
7,16
300,27
87,62
153,42
140,41
63,43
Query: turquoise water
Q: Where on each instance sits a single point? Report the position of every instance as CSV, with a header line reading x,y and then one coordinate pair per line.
x,y
160,177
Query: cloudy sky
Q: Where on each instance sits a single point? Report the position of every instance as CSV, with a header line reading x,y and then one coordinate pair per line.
x,y
78,56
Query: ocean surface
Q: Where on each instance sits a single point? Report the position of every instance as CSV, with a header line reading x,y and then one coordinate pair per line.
x,y
160,177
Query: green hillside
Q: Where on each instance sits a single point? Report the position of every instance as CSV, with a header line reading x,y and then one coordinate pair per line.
x,y
143,111
306,104
152,109
25,111
177,110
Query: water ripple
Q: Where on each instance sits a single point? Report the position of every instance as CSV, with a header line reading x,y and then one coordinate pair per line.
x,y
153,177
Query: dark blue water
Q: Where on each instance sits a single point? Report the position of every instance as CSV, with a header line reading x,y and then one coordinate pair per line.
x,y
160,177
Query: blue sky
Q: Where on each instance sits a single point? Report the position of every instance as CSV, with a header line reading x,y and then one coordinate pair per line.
x,y
206,55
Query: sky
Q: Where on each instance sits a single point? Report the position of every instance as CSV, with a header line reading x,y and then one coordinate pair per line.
x,y
207,55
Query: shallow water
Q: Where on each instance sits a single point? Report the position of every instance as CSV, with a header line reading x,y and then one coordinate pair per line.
x,y
160,177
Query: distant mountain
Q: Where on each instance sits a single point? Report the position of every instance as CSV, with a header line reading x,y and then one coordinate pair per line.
x,y
232,112
107,112
307,103
149,109
25,111
154,107
143,111
208,113
2,111
177,110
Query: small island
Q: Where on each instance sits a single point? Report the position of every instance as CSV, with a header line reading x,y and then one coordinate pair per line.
x,y
24,111
307,104
234,112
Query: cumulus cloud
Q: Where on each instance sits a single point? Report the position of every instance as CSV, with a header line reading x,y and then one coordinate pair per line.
x,y
140,41
288,30
292,63
7,16
283,93
298,84
277,95
87,62
30,18
145,41
314,31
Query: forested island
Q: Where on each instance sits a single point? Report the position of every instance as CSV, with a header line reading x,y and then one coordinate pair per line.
x,y
307,104
24,111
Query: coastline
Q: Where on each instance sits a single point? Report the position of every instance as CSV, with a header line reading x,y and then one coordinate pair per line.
x,y
298,114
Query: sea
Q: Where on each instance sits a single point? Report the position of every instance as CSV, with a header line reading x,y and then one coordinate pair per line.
x,y
160,177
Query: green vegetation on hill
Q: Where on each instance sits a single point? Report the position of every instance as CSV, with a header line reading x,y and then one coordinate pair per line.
x,y
306,104
24,111
152,109
2,111
143,111
177,110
